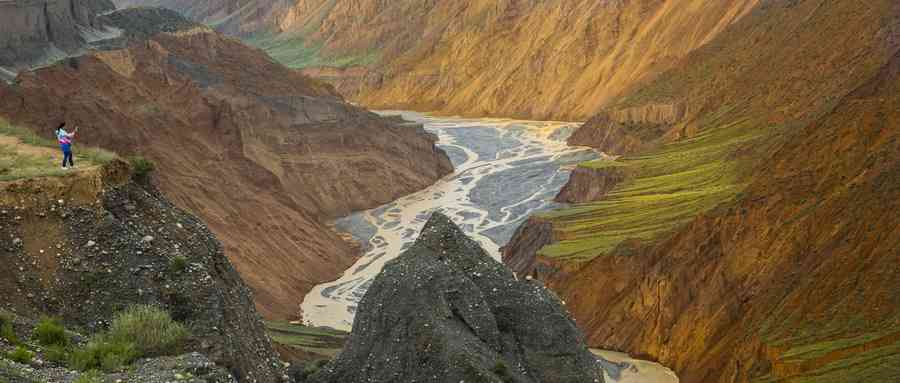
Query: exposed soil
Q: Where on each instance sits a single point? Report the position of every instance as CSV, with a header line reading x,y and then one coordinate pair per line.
x,y
263,154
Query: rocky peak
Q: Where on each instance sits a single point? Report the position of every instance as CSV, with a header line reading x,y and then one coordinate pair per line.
x,y
444,311
33,31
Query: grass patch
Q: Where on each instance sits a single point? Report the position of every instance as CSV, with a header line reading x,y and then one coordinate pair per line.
x,y
502,370
7,331
50,332
27,136
293,51
603,163
309,370
819,349
17,164
20,355
150,328
104,353
671,186
9,373
141,166
178,264
316,340
876,365
139,331
57,354
92,376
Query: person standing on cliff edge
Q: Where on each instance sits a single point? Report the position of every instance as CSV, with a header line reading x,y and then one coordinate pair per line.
x,y
65,143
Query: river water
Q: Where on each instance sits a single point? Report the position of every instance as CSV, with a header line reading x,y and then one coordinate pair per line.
x,y
505,170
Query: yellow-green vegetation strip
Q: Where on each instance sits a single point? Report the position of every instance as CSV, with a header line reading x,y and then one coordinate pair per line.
x,y
669,187
16,165
312,339
816,350
881,364
602,163
293,51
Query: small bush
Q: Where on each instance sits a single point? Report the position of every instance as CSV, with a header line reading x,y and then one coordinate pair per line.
x,y
56,354
6,330
96,155
20,355
50,332
150,328
102,353
178,263
92,376
501,370
142,167
301,373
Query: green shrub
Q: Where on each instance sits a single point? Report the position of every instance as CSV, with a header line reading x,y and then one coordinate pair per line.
x,y
501,370
102,353
20,355
142,167
50,332
150,328
178,263
308,370
56,354
92,376
6,330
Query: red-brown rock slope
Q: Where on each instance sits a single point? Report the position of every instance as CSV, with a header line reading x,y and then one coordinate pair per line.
x,y
262,153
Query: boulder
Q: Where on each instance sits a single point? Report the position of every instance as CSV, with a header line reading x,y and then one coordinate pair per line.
x,y
445,311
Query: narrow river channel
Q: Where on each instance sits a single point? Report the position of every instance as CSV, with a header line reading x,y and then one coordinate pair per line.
x,y
505,170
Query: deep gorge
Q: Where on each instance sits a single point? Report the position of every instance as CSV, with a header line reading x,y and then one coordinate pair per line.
x,y
726,208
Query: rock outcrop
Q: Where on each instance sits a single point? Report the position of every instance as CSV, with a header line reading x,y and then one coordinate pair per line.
x,y
85,247
444,311
588,183
628,130
548,60
234,17
260,152
33,30
521,252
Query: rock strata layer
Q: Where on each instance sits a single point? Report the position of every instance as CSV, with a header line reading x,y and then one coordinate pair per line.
x,y
260,152
31,30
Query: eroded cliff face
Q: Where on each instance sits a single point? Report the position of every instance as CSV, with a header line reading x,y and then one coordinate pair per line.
x,y
235,17
86,246
31,30
787,274
629,129
587,184
806,264
510,58
531,59
261,153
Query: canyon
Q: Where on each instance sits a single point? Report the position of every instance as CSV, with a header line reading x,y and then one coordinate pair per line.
x,y
262,153
547,60
730,213
742,223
